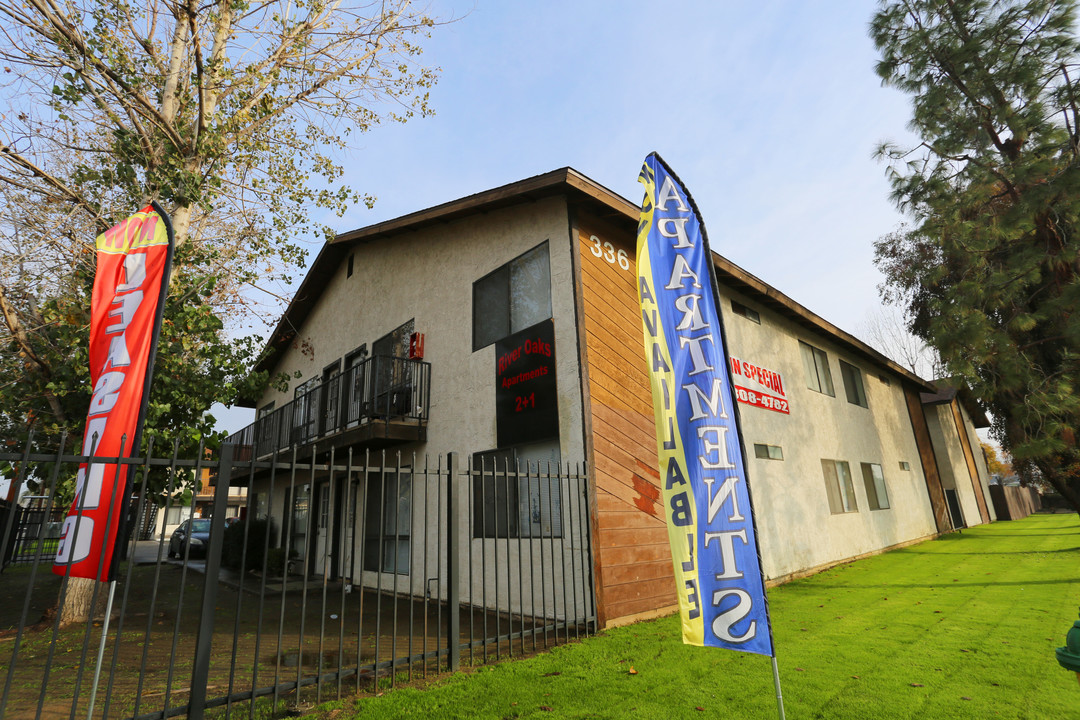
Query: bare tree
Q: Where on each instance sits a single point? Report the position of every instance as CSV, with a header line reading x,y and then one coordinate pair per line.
x,y
884,329
232,115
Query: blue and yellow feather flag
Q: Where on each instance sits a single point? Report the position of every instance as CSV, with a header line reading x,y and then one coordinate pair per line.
x,y
702,466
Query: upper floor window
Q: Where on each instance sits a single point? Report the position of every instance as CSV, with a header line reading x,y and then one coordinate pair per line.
x,y
512,298
853,384
816,364
749,313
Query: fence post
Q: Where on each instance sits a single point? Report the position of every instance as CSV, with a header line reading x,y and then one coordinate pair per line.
x,y
453,574
204,641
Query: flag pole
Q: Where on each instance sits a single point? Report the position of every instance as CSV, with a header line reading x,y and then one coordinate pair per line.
x,y
779,692
101,650
678,236
122,529
737,413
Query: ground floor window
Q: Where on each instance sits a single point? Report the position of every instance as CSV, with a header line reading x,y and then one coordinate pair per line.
x,y
513,497
176,514
388,522
839,487
297,504
877,496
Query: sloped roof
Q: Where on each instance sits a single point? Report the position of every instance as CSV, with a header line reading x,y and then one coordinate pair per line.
x,y
579,190
945,389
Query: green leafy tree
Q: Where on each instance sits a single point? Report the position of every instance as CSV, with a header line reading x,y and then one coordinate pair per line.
x,y
987,267
233,115
994,464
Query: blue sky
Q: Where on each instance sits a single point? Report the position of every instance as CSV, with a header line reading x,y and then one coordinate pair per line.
x,y
770,113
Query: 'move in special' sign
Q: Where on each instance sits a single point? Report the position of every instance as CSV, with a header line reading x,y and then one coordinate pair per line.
x,y
526,403
706,500
767,381
130,285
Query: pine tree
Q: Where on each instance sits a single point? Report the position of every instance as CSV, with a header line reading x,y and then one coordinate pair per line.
x,y
987,267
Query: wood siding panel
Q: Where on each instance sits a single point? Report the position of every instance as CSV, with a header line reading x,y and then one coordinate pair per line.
x,y
928,459
642,571
634,556
969,456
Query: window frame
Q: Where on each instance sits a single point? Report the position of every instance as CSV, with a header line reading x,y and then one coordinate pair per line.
x,y
747,312
762,451
854,387
840,492
494,486
875,487
817,359
387,534
504,275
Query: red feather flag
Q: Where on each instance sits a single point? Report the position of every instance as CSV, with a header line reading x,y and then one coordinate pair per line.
x,y
132,279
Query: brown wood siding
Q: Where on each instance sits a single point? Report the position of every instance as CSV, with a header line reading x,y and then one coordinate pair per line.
x,y
969,456
634,574
928,459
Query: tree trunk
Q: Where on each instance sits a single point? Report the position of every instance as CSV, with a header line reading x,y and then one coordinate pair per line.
x,y
1066,485
78,599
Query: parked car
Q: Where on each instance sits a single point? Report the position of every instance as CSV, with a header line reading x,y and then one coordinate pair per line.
x,y
195,531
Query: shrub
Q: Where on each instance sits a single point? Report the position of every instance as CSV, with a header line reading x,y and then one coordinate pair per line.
x,y
232,554
275,561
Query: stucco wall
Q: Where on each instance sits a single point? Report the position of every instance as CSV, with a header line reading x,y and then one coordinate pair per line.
x,y
951,460
796,529
428,276
980,462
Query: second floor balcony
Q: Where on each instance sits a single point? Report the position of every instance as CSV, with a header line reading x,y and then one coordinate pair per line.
x,y
378,402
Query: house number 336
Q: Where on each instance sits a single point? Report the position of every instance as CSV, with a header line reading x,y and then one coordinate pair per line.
x,y
607,251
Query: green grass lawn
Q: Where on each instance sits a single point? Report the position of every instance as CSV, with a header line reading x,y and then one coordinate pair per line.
x,y
960,627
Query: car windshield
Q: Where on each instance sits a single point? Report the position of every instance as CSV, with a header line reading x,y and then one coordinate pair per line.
x,y
200,525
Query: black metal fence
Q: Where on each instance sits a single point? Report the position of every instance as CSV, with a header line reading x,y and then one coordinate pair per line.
x,y
349,573
35,530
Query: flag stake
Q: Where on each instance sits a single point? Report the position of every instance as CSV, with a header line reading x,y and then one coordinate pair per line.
x,y
779,693
101,650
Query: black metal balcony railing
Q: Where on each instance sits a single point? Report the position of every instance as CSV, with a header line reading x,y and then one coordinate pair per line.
x,y
379,389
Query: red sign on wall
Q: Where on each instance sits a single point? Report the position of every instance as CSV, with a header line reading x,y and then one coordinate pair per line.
x,y
767,390
416,346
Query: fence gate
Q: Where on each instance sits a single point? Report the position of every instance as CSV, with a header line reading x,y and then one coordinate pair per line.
x,y
348,573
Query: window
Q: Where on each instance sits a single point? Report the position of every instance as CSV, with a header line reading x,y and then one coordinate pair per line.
x,y
392,373
306,407
175,514
305,387
768,452
513,497
396,342
387,523
853,384
905,465
740,309
512,298
877,497
839,487
331,396
816,364
294,535
348,272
